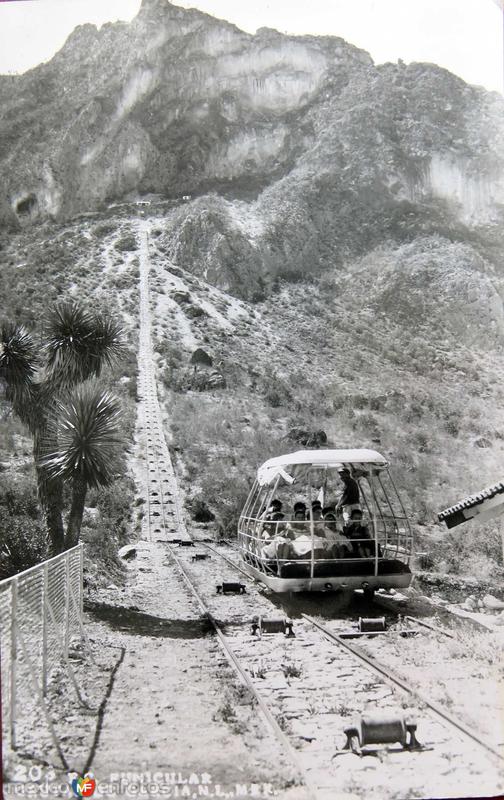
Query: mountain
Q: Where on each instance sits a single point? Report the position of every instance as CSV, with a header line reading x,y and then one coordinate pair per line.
x,y
338,253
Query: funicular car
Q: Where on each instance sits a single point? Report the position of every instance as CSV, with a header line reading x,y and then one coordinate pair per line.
x,y
295,536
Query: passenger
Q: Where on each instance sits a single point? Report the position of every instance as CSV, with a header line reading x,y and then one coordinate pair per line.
x,y
350,497
338,546
303,543
297,526
300,507
356,532
277,538
271,524
275,507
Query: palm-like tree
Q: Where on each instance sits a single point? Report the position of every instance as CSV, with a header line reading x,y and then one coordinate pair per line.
x,y
78,343
86,428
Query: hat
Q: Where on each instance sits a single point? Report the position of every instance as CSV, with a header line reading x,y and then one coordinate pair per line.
x,y
316,504
344,471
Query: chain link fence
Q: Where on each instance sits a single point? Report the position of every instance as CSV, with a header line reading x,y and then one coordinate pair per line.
x,y
40,613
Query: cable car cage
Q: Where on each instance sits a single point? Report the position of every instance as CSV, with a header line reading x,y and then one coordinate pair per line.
x,y
290,553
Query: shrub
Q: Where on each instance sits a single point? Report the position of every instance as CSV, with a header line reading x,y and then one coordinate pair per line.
x,y
23,543
199,510
126,243
104,229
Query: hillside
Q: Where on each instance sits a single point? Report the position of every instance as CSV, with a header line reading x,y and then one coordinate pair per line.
x,y
339,258
413,373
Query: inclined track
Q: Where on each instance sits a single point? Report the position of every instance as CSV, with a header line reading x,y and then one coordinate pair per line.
x,y
305,691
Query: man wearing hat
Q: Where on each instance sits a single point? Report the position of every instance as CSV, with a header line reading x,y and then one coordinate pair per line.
x,y
350,497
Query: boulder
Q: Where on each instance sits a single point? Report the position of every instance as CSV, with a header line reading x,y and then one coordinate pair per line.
x,y
492,603
128,552
181,297
193,311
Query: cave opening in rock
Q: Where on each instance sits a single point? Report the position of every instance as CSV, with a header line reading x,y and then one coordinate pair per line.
x,y
28,205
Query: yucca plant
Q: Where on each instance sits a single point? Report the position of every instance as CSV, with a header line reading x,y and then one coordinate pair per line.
x,y
78,343
86,427
18,366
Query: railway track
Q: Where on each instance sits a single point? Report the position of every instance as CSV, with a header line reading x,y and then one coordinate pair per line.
x,y
310,686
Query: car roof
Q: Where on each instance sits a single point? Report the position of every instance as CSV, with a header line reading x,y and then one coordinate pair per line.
x,y
319,458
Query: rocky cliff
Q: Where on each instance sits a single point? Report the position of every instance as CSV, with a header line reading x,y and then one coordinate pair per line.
x,y
177,102
174,102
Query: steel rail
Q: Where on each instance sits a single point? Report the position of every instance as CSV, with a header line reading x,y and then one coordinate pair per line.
x,y
235,663
435,628
392,678
152,415
229,561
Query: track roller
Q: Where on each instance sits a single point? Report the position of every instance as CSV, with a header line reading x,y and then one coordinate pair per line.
x,y
370,624
231,588
262,625
381,727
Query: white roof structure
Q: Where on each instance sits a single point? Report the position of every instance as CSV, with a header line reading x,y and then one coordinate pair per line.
x,y
317,458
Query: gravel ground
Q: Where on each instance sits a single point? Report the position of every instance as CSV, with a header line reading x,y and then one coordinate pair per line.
x,y
316,690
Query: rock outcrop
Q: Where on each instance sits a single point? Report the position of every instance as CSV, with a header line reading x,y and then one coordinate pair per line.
x,y
337,154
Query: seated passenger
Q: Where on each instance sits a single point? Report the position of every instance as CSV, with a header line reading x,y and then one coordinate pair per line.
x,y
297,525
275,507
300,508
302,545
269,527
270,550
355,531
275,522
338,546
277,538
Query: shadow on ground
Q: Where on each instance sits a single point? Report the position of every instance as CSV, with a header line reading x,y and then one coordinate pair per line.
x,y
130,620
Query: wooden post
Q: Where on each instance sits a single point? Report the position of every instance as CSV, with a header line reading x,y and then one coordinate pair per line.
x,y
13,664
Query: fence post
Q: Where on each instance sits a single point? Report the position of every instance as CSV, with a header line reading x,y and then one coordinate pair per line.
x,y
67,604
45,590
13,666
81,581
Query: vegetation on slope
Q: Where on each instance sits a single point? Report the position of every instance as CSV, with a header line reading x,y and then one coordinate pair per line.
x,y
23,532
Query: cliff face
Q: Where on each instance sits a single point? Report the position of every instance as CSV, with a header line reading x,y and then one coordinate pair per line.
x,y
178,102
174,102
